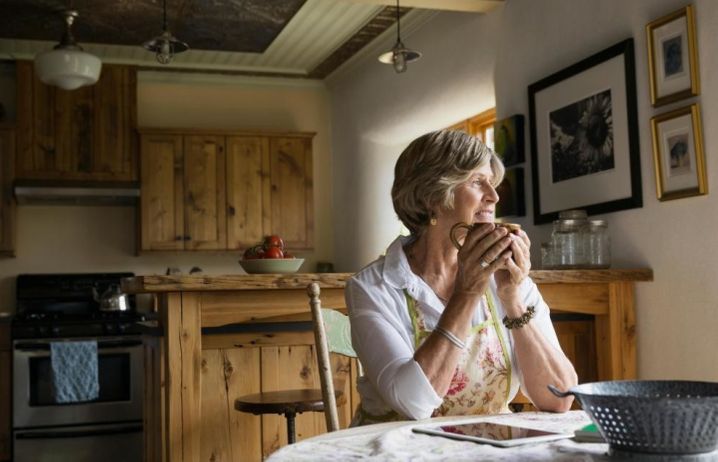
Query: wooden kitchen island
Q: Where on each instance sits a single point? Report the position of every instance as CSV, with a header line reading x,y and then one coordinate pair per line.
x,y
221,337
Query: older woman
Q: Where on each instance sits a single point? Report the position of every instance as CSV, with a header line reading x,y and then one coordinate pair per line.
x,y
447,332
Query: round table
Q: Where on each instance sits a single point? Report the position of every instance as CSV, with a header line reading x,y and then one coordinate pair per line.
x,y
396,441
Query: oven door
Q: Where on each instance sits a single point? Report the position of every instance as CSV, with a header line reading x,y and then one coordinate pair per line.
x,y
120,372
85,443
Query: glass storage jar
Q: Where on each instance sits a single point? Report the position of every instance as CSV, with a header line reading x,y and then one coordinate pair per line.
x,y
547,255
599,244
568,239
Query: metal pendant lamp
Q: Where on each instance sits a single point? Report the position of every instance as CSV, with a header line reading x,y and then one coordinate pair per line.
x,y
67,66
399,56
165,45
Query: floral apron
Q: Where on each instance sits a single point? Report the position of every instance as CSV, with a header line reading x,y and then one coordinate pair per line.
x,y
482,380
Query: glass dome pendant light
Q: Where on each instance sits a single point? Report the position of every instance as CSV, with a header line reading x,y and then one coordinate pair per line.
x,y
67,66
399,56
165,45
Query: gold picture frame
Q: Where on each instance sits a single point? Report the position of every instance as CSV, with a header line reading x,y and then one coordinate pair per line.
x,y
673,57
678,154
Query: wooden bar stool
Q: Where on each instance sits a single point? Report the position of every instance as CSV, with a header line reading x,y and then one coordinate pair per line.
x,y
331,334
286,402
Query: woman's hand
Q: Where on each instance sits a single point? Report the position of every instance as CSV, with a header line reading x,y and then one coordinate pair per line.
x,y
486,249
513,273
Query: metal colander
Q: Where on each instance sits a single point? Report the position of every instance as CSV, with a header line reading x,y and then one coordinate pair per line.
x,y
652,416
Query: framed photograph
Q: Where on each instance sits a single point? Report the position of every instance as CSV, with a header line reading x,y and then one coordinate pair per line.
x,y
678,154
673,57
584,136
511,194
509,140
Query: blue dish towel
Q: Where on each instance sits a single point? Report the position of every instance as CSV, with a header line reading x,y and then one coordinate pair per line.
x,y
74,371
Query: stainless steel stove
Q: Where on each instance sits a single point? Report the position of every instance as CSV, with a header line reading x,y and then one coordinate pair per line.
x,y
63,308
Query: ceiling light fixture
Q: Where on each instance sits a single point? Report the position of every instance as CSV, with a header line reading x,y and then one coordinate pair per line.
x,y
165,45
67,66
399,56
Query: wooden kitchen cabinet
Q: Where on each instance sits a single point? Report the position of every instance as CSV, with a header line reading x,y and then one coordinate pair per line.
x,y
7,201
260,184
86,134
5,390
270,190
182,203
290,196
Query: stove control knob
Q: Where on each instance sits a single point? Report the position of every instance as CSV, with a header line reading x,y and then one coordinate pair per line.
x,y
55,330
42,330
122,327
109,328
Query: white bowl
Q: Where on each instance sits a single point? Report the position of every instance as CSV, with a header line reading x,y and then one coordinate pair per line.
x,y
271,265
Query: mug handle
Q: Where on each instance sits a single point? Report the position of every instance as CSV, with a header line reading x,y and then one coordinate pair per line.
x,y
452,233
559,393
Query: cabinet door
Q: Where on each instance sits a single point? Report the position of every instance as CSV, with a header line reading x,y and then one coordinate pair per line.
x,y
37,155
83,134
7,201
290,199
161,200
115,141
247,188
204,193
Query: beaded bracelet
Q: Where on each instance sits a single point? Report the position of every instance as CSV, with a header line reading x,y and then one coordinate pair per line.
x,y
451,337
516,323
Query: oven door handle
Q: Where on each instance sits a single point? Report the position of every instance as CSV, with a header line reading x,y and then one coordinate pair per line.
x,y
101,345
55,434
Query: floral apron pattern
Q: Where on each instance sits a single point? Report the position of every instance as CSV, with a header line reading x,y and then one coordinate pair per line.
x,y
482,380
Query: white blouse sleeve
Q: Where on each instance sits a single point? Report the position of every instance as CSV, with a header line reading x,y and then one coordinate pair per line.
x,y
385,350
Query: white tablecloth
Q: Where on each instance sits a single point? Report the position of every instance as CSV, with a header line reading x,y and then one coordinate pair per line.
x,y
396,442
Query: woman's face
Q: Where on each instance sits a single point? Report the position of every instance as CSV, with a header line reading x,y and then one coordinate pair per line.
x,y
475,200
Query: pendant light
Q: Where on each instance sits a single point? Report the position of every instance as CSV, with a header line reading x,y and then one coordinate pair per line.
x,y
67,66
399,56
165,45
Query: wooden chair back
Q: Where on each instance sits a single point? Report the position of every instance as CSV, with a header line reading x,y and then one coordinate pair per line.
x,y
332,333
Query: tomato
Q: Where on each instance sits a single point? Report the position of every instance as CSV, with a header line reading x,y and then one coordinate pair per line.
x,y
273,252
273,241
254,252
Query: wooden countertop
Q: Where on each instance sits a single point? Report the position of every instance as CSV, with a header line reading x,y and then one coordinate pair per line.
x,y
160,283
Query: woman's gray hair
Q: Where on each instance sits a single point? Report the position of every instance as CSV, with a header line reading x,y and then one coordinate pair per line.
x,y
429,170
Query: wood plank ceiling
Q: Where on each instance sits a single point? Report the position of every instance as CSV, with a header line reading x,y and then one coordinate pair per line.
x,y
296,38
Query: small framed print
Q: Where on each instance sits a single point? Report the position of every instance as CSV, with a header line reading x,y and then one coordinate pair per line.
x,y
509,140
511,194
673,57
678,154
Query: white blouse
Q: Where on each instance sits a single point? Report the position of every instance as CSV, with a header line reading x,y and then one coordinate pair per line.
x,y
382,333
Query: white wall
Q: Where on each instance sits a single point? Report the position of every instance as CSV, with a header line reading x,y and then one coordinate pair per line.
x,y
92,239
509,49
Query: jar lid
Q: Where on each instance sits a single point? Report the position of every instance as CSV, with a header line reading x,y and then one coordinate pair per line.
x,y
571,225
575,214
598,223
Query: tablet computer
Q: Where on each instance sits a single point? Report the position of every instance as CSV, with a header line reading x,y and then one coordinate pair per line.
x,y
492,433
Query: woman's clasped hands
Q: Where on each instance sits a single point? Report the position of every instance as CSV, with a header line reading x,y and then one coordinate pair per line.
x,y
489,249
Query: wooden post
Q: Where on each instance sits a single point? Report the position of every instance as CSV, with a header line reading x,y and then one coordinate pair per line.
x,y
616,334
183,356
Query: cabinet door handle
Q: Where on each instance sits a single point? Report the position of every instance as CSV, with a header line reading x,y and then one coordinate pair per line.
x,y
178,238
187,238
231,210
